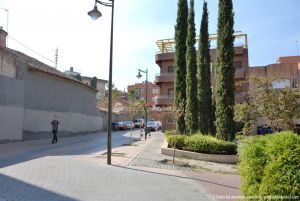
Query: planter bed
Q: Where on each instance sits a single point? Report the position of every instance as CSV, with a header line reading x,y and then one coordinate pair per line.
x,y
218,158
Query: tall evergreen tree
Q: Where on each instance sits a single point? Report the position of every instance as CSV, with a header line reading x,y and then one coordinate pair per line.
x,y
204,84
191,114
225,72
180,64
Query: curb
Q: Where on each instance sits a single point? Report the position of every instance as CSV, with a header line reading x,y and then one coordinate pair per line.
x,y
218,158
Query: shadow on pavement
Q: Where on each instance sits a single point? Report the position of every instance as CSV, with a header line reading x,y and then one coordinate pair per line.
x,y
82,145
182,177
13,189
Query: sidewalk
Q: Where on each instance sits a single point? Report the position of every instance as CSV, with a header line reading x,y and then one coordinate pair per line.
x,y
220,180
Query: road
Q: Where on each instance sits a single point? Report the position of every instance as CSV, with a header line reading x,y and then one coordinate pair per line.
x,y
75,169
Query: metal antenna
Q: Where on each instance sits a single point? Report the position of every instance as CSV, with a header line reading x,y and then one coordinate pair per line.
x,y
56,57
297,47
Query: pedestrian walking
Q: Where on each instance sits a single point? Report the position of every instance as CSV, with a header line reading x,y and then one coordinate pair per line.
x,y
54,124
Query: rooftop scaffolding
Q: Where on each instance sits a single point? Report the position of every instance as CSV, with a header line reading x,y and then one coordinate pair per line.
x,y
168,45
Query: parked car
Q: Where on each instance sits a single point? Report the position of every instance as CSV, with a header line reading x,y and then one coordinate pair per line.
x,y
158,124
264,129
129,124
122,125
115,126
152,126
139,123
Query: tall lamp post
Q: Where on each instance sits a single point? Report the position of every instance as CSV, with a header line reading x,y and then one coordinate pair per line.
x,y
146,118
95,14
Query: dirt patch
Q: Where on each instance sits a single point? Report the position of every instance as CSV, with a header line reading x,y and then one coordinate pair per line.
x,y
176,162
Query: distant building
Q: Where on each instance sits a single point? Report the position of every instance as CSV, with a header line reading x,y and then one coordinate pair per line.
x,y
31,93
152,91
286,70
100,86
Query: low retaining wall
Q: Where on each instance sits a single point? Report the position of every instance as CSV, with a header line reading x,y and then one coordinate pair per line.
x,y
219,158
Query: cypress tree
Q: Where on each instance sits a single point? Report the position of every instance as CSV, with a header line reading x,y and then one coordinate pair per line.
x,y
191,114
204,84
225,72
180,64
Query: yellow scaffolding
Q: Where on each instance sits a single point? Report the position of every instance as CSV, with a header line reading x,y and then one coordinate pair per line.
x,y
167,45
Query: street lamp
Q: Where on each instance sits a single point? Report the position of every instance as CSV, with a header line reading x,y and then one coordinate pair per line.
x,y
139,76
95,14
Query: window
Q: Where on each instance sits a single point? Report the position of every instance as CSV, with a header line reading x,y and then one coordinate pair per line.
x,y
142,91
155,91
170,69
142,98
237,64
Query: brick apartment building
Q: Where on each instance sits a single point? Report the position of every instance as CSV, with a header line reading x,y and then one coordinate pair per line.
x,y
287,70
165,79
152,91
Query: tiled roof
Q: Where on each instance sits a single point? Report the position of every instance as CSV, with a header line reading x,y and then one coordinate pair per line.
x,y
35,64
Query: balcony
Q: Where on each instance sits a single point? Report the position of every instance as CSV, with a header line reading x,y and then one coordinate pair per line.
x,y
163,100
164,77
239,73
160,57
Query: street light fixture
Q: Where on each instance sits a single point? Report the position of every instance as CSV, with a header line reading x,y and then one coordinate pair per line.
x,y
95,14
145,108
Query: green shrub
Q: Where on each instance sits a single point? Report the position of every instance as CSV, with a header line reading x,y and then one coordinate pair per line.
x,y
208,144
179,140
270,165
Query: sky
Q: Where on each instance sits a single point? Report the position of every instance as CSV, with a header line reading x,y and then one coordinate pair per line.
x,y
273,27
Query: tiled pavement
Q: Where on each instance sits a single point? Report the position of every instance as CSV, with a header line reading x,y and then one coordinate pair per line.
x,y
75,169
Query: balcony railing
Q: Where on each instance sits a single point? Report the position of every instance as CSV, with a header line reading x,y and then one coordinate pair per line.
x,y
163,100
164,77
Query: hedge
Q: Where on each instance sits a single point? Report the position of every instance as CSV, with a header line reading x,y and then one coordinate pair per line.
x,y
201,144
270,166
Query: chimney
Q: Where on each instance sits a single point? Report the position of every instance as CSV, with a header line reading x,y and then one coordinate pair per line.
x,y
3,35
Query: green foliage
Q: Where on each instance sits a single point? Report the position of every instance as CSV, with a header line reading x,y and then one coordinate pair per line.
x,y
180,63
94,82
177,140
202,144
278,107
133,94
225,72
245,116
204,93
191,107
210,145
269,165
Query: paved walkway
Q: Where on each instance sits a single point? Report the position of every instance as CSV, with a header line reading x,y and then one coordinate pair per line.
x,y
75,169
209,175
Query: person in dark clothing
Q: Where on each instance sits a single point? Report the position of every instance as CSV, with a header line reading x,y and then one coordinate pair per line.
x,y
54,124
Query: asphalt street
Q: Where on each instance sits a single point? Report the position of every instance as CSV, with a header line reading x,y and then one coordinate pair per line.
x,y
70,170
